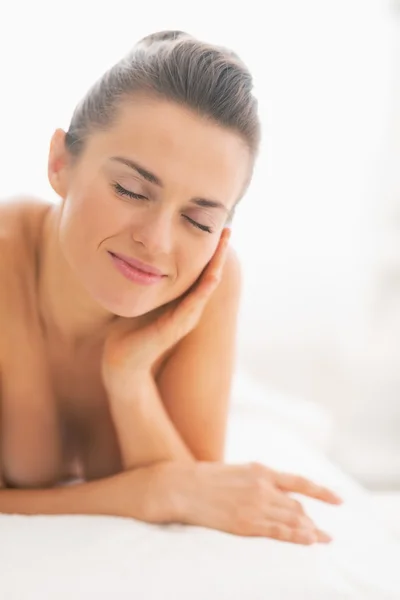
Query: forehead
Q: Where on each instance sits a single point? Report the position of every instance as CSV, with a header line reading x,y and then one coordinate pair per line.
x,y
182,148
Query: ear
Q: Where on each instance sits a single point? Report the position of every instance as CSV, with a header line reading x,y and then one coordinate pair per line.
x,y
58,164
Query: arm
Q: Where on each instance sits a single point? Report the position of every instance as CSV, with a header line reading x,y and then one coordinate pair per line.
x,y
202,494
195,383
145,432
153,494
168,420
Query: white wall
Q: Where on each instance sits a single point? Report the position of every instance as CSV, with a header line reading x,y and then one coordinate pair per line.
x,y
325,96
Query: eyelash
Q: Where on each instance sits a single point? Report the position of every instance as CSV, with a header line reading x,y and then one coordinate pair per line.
x,y
121,191
198,225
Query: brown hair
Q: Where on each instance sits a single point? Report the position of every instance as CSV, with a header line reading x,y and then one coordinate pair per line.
x,y
173,65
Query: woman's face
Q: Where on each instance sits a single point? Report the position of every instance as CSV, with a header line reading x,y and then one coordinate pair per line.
x,y
156,187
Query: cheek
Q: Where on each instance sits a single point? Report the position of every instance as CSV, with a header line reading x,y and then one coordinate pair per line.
x,y
193,264
90,216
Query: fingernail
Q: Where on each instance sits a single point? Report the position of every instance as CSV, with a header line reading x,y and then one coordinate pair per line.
x,y
336,499
311,537
324,537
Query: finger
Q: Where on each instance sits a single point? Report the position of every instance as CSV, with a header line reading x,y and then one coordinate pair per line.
x,y
297,521
182,317
323,537
177,321
283,533
281,499
293,519
212,273
191,306
217,262
295,483
186,315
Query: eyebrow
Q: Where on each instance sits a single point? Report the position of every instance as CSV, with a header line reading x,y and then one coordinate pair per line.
x,y
147,175
152,178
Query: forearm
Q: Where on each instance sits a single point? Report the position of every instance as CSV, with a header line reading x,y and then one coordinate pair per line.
x,y
150,494
145,432
86,498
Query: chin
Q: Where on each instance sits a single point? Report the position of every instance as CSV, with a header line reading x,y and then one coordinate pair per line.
x,y
129,311
126,306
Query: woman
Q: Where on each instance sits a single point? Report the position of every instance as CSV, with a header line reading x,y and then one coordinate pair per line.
x,y
118,306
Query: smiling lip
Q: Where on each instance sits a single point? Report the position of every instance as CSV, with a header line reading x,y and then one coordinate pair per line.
x,y
135,270
138,264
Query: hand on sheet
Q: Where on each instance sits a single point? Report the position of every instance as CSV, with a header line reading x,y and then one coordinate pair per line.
x,y
127,352
253,500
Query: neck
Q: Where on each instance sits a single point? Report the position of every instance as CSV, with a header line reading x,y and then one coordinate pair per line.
x,y
67,310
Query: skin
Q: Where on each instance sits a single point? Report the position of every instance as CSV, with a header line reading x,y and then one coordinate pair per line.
x,y
100,376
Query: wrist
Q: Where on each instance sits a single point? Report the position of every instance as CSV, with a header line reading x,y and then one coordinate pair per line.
x,y
175,493
126,388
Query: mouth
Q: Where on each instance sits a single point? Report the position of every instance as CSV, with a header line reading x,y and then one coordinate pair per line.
x,y
135,270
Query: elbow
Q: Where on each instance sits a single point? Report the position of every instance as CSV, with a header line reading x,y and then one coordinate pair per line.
x,y
209,455
28,476
29,481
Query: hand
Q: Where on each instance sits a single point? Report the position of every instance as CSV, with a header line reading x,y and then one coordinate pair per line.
x,y
131,352
250,500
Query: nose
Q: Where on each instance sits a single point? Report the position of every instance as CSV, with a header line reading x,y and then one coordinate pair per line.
x,y
154,232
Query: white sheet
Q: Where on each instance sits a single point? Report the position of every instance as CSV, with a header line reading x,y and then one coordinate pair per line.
x,y
387,506
102,558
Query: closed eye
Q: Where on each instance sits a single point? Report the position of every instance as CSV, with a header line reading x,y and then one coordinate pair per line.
x,y
121,191
198,225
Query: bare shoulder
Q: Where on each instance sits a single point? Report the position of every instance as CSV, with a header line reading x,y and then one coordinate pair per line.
x,y
20,223
20,213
